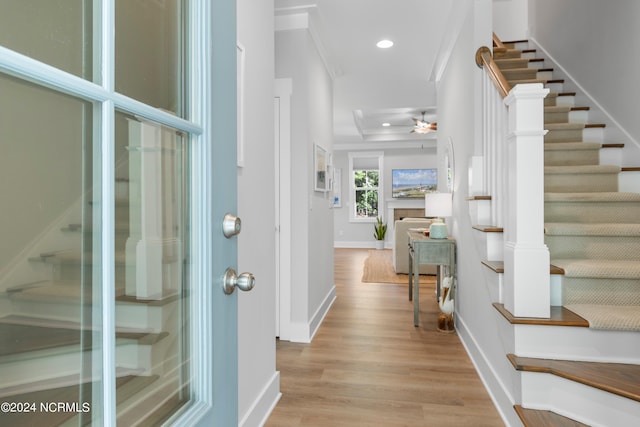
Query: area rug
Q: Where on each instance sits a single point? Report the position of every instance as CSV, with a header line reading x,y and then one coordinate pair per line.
x,y
378,268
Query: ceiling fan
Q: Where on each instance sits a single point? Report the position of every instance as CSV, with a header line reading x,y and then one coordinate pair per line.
x,y
422,126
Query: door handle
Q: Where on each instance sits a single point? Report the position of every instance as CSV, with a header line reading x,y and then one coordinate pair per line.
x,y
244,282
231,226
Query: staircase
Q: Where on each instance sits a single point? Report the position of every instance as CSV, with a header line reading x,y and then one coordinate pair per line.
x,y
51,347
582,365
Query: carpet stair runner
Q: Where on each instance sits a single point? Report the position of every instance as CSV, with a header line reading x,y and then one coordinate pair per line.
x,y
591,229
593,234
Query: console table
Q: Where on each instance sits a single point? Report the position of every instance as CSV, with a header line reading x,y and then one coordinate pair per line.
x,y
423,250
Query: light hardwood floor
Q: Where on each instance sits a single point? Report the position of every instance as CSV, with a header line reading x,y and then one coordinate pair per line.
x,y
369,366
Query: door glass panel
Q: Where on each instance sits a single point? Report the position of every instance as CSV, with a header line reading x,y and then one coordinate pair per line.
x,y
58,33
149,52
49,297
152,289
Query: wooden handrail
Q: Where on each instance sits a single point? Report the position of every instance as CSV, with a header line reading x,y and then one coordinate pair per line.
x,y
497,42
484,59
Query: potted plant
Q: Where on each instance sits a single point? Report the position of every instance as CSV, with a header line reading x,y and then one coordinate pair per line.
x,y
380,229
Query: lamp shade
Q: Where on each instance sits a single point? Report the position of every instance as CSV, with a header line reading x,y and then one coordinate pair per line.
x,y
438,204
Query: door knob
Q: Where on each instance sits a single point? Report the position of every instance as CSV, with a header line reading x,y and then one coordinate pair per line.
x,y
244,282
231,226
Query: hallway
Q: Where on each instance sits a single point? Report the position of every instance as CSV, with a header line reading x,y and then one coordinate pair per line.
x,y
369,366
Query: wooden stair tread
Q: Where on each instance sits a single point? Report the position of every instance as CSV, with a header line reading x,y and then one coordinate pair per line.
x,y
519,62
22,334
76,228
76,257
556,94
563,108
560,316
513,42
564,126
498,267
541,418
485,197
168,295
488,228
68,290
20,338
617,378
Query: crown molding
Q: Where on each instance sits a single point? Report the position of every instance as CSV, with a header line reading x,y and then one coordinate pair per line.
x,y
301,18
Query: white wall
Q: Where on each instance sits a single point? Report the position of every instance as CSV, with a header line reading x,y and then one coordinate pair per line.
x,y
258,381
320,98
595,43
312,289
458,95
510,19
350,234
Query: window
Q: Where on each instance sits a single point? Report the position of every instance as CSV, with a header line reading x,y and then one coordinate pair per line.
x,y
366,192
111,131
366,182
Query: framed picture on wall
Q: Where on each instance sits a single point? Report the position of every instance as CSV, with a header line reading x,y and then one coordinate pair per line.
x,y
337,188
413,183
320,182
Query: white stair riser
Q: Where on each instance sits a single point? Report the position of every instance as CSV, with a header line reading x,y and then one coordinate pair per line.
x,y
494,282
546,75
149,358
556,289
563,342
576,343
567,101
555,87
151,318
579,116
480,211
630,181
611,156
66,361
128,315
490,245
577,401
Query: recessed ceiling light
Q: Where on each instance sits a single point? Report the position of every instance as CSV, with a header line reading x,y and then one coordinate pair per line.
x,y
384,44
386,124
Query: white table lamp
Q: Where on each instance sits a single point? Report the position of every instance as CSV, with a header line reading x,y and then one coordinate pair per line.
x,y
438,205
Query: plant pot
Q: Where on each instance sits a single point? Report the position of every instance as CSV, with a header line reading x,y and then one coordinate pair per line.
x,y
379,244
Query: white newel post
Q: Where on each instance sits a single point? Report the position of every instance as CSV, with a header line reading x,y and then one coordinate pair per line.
x,y
152,244
526,257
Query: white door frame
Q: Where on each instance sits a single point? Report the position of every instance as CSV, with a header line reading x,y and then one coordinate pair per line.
x,y
282,98
215,382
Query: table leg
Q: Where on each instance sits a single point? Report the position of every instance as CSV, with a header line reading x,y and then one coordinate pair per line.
x,y
410,275
416,294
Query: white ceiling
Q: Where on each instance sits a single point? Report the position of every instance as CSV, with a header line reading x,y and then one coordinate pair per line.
x,y
372,85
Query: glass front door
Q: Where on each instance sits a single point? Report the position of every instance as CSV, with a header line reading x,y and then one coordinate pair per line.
x,y
108,310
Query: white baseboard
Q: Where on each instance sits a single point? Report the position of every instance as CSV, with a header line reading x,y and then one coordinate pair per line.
x,y
263,406
359,245
304,332
321,312
499,393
